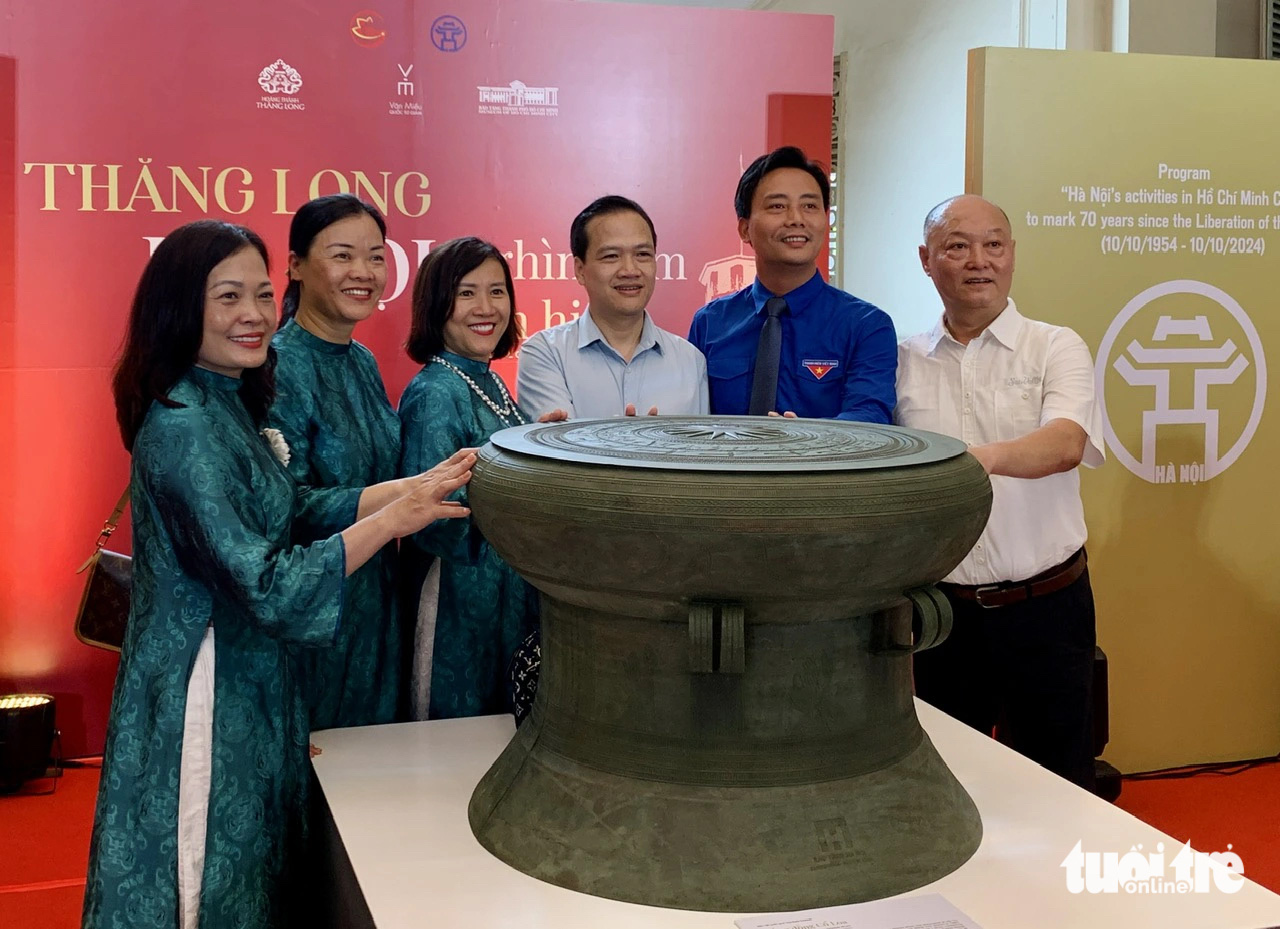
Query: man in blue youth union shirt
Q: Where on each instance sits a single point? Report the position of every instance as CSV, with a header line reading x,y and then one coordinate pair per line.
x,y
836,356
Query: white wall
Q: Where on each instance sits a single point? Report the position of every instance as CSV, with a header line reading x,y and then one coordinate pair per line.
x,y
904,99
903,133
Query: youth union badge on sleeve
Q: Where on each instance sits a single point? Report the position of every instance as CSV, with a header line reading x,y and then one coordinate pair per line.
x,y
819,367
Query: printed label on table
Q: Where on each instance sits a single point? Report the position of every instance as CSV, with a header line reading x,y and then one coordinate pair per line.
x,y
930,911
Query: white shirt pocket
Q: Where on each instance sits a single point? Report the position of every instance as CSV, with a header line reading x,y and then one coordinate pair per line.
x,y
1017,410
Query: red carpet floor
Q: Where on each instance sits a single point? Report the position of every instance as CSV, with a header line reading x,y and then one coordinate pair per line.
x,y
46,842
46,838
1212,811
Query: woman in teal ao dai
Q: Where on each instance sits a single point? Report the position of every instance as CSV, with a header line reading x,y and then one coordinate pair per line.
x,y
332,409
474,610
201,800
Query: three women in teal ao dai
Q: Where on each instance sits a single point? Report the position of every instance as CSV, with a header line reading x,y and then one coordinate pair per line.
x,y
332,408
201,799
474,610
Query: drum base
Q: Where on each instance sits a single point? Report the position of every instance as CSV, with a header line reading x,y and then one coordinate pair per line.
x,y
731,849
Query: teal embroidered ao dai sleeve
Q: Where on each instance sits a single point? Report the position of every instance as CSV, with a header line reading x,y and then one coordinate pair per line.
x,y
468,627
213,512
332,409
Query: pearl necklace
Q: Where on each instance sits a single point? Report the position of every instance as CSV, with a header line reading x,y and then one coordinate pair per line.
x,y
508,407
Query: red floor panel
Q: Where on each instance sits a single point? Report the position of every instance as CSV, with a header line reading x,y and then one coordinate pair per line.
x,y
1212,811
50,832
45,909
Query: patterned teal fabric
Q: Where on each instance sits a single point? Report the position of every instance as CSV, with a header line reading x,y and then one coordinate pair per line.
x,y
333,410
485,608
212,517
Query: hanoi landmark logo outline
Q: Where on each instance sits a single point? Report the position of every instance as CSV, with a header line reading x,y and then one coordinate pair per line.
x,y
448,33
1177,348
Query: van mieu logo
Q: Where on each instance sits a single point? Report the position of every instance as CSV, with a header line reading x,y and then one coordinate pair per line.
x,y
1182,381
406,101
280,83
519,99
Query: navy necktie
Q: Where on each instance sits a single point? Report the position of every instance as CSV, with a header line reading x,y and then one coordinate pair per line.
x,y
764,386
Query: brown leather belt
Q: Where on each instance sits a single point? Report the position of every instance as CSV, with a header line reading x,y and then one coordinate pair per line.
x,y
991,596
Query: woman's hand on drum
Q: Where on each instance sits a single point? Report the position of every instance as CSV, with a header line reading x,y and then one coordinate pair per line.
x,y
449,464
425,501
555,416
415,502
376,497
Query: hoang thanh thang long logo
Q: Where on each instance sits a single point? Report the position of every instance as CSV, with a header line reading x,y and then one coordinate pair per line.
x,y
279,78
1190,376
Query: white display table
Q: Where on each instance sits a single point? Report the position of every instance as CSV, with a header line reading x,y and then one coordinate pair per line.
x,y
398,797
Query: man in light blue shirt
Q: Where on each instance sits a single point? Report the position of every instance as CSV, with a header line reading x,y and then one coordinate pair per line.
x,y
613,360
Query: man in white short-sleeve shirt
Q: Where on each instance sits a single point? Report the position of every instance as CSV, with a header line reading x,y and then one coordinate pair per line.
x,y
1020,393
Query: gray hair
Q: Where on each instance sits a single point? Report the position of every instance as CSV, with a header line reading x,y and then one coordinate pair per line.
x,y
933,218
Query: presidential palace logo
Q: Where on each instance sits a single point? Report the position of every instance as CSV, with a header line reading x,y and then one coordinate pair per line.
x,y
1182,380
519,99
280,84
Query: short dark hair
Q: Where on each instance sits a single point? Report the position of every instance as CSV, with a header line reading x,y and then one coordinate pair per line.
x,y
313,218
603,206
786,157
166,323
433,294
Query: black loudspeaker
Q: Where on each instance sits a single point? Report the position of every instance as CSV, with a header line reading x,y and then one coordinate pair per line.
x,y
1106,777
26,738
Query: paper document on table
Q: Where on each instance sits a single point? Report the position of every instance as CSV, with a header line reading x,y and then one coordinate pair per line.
x,y
931,911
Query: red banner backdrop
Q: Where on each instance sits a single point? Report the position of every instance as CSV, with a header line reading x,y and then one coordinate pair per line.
x,y
498,119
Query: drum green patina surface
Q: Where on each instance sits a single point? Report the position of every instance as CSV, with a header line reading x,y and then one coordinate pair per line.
x,y
724,718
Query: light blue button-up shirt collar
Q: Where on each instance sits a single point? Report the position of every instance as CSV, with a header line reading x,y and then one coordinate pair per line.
x,y
589,333
572,367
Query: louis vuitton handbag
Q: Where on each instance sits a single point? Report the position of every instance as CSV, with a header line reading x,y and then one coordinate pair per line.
x,y
104,605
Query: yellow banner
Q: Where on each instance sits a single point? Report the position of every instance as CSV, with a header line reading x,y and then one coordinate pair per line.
x,y
1145,197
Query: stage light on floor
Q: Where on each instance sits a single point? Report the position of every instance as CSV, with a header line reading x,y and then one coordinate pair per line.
x,y
26,738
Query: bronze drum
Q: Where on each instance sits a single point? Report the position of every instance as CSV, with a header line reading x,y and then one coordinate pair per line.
x,y
724,719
